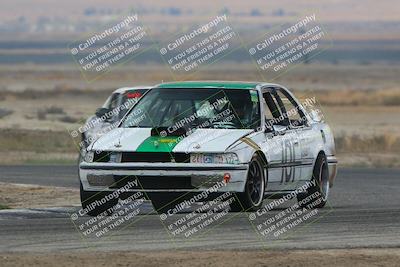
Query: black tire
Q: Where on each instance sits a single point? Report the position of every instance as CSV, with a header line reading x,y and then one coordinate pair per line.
x,y
88,197
252,198
83,148
163,202
321,189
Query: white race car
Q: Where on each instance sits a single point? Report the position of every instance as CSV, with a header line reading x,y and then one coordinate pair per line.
x,y
253,140
108,115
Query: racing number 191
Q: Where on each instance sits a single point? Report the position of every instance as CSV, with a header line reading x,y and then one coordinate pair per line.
x,y
288,156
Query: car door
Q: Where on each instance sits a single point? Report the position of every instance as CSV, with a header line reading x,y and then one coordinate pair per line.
x,y
282,150
301,134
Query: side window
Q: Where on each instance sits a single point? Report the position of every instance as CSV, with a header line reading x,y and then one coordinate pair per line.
x,y
294,114
107,103
273,111
114,101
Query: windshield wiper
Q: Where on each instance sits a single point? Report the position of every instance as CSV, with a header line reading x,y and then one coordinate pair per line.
x,y
137,126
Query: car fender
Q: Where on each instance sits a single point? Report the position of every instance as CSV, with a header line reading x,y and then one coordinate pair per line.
x,y
247,146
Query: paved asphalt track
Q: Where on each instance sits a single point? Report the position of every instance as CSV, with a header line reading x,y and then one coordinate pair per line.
x,y
363,211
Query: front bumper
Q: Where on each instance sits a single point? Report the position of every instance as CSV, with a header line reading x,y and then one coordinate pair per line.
x,y
160,177
332,166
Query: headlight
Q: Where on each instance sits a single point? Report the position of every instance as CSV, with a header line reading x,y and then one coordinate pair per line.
x,y
115,157
89,156
228,158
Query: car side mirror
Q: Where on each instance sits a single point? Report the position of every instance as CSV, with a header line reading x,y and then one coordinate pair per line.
x,y
101,112
268,129
279,129
315,116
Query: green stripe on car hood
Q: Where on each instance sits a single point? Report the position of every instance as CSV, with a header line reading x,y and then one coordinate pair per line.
x,y
158,144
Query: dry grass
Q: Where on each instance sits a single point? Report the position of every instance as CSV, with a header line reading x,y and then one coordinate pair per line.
x,y
67,78
3,207
369,151
369,160
388,97
35,158
35,196
51,93
379,143
361,105
40,141
5,112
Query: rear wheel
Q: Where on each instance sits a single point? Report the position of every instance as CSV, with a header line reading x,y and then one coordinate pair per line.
x,y
93,202
316,196
252,198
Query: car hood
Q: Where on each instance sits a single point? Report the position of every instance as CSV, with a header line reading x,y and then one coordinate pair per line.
x,y
140,139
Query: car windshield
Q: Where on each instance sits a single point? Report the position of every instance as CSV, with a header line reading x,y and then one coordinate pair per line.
x,y
188,108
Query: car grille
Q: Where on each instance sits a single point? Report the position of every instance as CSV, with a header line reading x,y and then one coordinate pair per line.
x,y
154,182
155,157
103,156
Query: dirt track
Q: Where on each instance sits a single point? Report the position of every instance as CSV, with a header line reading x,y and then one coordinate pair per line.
x,y
353,257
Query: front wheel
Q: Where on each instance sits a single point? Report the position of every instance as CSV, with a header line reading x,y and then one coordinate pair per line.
x,y
252,198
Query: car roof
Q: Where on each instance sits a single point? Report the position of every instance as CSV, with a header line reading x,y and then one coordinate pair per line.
x,y
124,89
210,84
